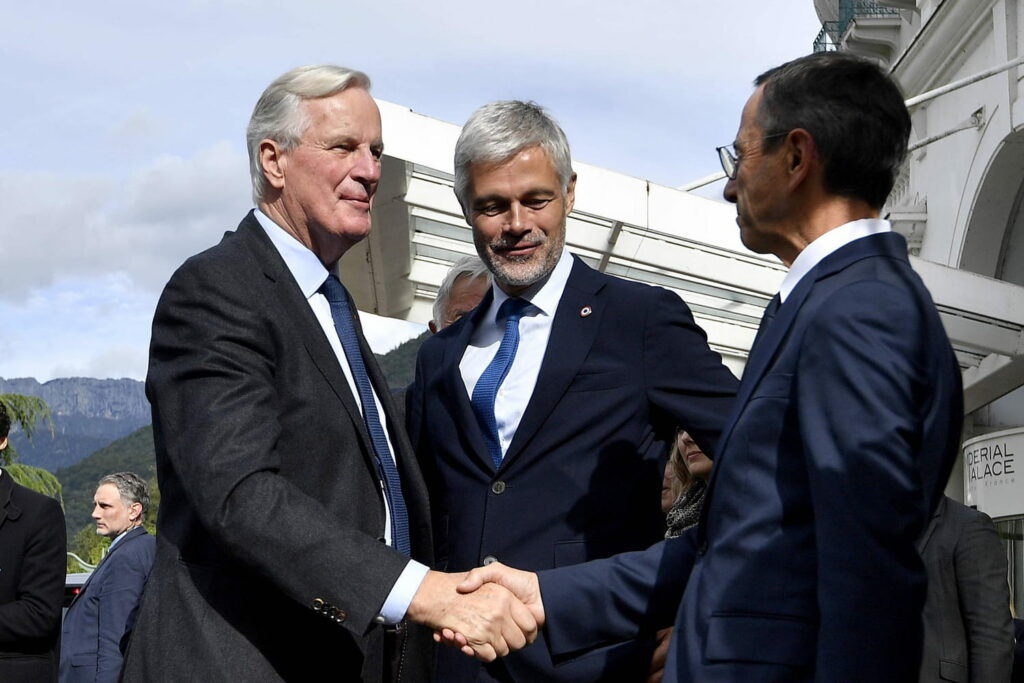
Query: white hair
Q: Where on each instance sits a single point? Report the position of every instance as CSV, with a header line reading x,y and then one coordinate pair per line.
x,y
467,266
498,131
278,116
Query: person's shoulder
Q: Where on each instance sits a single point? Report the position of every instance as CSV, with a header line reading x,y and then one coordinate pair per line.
x,y
617,286
964,513
139,548
34,505
230,250
24,496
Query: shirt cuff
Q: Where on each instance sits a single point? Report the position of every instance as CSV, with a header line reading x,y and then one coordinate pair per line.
x,y
402,593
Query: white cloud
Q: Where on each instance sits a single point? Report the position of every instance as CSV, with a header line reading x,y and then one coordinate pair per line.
x,y
56,226
125,151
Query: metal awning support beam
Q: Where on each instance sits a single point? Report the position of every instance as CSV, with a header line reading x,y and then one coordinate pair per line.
x,y
612,239
963,82
974,121
994,377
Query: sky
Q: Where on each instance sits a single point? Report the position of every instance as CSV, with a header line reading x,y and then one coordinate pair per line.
x,y
123,123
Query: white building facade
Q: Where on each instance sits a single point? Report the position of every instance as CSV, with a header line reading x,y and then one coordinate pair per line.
x,y
959,201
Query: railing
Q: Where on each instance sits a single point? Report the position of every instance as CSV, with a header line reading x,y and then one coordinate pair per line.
x,y
82,563
828,37
832,32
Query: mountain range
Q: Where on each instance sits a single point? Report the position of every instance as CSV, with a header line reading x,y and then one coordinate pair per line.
x,y
87,414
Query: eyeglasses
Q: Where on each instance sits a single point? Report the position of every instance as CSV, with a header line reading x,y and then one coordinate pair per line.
x,y
731,161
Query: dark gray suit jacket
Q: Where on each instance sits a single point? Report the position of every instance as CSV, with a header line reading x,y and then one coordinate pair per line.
x,y
968,633
270,563
104,610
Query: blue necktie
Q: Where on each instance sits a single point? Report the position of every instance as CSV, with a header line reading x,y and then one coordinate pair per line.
x,y
486,389
388,472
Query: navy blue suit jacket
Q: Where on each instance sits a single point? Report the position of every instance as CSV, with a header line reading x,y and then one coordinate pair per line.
x,y
804,566
582,477
102,613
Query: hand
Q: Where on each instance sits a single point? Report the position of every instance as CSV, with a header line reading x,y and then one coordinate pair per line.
x,y
660,655
524,585
490,621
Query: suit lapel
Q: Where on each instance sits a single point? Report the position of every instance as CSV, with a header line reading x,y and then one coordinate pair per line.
x,y
7,508
455,386
572,335
138,531
301,315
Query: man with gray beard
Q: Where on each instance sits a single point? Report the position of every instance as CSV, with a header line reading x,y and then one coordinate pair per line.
x,y
541,419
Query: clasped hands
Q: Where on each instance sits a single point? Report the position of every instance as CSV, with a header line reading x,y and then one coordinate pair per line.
x,y
487,612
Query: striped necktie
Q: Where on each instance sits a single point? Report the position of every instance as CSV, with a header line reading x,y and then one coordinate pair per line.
x,y
486,390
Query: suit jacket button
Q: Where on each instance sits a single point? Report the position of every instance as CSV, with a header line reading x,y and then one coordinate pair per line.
x,y
498,487
489,559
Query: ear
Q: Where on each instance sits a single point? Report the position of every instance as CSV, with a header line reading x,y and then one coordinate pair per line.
x,y
432,326
135,511
570,194
801,157
272,161
3,443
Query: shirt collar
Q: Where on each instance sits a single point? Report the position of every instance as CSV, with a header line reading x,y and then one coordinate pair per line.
x,y
833,240
305,267
120,536
544,295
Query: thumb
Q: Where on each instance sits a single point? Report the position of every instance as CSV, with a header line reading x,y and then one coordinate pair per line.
x,y
478,577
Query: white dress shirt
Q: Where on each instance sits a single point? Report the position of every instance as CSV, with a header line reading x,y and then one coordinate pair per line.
x,y
833,240
310,274
534,332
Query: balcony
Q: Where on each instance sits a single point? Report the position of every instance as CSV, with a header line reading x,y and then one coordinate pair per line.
x,y
864,27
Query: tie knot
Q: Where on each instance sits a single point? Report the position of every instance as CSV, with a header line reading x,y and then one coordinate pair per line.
x,y
512,308
333,290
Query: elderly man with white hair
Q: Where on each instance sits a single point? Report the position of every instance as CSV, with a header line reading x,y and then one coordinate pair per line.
x,y
294,536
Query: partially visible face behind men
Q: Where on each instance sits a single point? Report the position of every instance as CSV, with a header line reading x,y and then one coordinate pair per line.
x,y
112,516
761,211
518,211
465,295
697,464
331,176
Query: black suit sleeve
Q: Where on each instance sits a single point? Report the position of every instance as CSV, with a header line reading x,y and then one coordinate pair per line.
x,y
980,567
217,409
35,613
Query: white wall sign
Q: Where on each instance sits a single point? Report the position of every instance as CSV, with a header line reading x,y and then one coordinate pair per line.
x,y
994,475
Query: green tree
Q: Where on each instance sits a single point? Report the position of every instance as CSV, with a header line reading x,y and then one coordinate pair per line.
x,y
37,479
27,412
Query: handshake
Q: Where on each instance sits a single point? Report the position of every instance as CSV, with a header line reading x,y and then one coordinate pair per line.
x,y
487,612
